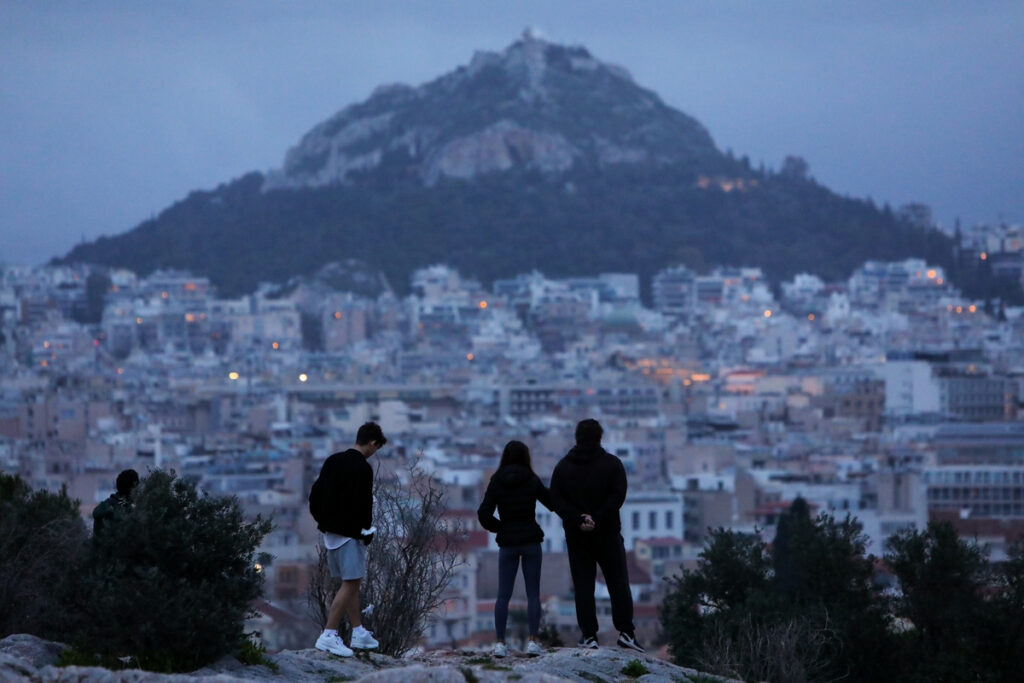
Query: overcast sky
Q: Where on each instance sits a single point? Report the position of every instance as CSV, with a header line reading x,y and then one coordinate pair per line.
x,y
111,111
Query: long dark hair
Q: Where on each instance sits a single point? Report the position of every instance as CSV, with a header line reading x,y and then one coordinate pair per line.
x,y
516,453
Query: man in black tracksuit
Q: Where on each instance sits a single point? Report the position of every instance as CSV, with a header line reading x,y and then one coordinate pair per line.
x,y
588,487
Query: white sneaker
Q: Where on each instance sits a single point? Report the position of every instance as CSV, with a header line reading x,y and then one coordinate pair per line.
x,y
533,648
332,642
363,640
500,650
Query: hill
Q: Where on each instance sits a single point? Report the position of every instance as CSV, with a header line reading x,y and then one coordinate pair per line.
x,y
540,156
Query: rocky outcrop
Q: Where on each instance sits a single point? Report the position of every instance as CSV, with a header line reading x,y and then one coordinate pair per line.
x,y
498,148
535,106
27,658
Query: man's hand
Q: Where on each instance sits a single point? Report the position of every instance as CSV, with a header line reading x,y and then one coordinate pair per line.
x,y
586,523
366,535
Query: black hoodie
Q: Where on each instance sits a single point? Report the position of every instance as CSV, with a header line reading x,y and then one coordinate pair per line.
x,y
514,490
342,496
589,480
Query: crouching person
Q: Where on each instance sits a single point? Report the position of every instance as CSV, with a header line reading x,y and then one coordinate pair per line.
x,y
341,502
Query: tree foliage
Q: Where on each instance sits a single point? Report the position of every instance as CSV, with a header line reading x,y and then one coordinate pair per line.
x,y
172,582
795,612
41,541
808,608
640,218
964,613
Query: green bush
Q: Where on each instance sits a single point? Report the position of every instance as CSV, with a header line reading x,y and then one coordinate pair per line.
x,y
171,584
634,669
42,538
807,610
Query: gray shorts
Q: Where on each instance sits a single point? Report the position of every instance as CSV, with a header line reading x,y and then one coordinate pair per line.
x,y
349,561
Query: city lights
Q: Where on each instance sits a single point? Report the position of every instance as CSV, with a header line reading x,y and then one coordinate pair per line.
x,y
303,377
233,375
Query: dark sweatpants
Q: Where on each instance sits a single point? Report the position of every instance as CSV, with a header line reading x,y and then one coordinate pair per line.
x,y
587,551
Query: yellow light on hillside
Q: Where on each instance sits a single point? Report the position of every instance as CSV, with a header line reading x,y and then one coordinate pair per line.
x,y
939,281
470,356
767,313
46,344
303,377
43,363
190,317
810,316
232,375
482,305
984,256
138,321
931,274
275,346
120,371
337,315
163,295
972,308
959,309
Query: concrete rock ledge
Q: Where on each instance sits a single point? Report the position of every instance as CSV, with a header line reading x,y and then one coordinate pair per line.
x,y
27,658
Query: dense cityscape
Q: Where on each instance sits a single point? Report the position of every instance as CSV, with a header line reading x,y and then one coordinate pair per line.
x,y
889,396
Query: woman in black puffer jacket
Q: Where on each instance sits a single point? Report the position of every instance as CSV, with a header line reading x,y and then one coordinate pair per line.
x,y
514,490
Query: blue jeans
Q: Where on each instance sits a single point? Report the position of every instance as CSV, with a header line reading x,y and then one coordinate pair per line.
x,y
508,567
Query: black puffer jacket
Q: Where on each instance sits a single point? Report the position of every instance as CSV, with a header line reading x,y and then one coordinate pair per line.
x,y
514,490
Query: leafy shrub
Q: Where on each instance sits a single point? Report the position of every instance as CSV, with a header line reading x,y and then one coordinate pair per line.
x,y
807,610
171,583
42,538
252,652
634,669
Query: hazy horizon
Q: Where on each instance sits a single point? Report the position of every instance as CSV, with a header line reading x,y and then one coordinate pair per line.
x,y
113,111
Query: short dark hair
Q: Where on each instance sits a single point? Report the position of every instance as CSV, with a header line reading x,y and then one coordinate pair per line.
x,y
589,432
516,453
370,432
126,481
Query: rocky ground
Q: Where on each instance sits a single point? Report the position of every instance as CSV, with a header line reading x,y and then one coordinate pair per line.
x,y
27,658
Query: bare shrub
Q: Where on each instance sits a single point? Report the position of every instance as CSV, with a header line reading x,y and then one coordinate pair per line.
x,y
791,651
409,564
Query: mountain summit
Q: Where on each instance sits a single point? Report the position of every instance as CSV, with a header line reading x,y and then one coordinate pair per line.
x,y
537,157
535,106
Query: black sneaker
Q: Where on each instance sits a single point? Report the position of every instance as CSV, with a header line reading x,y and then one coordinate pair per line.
x,y
627,641
588,643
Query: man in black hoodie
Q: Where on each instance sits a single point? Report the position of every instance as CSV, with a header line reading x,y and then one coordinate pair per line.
x,y
341,502
588,487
